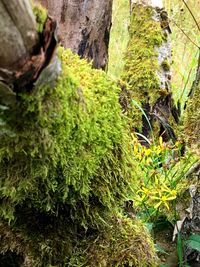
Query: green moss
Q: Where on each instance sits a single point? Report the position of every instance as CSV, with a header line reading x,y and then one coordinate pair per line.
x,y
165,65
123,244
191,125
141,61
70,146
65,167
40,16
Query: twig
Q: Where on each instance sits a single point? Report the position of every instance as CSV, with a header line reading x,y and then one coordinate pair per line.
x,y
191,14
185,34
193,169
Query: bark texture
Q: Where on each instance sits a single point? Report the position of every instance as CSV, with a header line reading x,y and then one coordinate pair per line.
x,y
84,27
18,33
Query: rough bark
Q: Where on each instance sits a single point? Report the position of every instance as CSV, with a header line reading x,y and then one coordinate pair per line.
x,y
84,27
18,33
24,53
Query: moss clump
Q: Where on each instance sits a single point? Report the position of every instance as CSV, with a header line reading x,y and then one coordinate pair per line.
x,y
40,16
69,147
65,167
116,246
123,242
165,65
191,121
141,61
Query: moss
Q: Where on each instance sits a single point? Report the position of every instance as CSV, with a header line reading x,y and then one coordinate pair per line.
x,y
65,166
70,145
123,244
40,16
191,122
165,65
141,61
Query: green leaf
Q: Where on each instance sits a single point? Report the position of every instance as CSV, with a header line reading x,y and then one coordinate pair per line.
x,y
180,249
149,227
145,115
194,242
160,249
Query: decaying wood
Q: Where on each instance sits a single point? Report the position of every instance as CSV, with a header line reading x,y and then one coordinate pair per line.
x,y
18,33
23,55
84,26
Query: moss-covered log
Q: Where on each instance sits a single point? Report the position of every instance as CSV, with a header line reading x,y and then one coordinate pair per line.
x,y
147,74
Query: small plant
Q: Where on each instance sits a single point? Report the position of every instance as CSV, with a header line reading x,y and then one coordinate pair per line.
x,y
161,177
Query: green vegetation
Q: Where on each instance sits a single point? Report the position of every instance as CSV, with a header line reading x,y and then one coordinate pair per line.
x,y
184,51
40,16
66,161
162,192
191,121
69,165
161,175
118,37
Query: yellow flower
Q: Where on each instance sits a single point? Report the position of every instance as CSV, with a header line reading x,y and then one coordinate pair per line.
x,y
163,201
135,149
171,192
144,190
158,150
161,142
143,193
148,161
147,152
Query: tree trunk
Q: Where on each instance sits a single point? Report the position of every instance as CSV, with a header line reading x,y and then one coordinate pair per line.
x,y
84,27
18,35
147,72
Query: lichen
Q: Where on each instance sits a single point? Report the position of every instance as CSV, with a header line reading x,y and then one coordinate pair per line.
x,y
141,61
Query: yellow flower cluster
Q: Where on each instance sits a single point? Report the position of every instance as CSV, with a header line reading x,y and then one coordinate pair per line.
x,y
156,189
157,195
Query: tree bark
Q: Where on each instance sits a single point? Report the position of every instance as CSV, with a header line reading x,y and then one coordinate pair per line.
x,y
84,27
18,33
